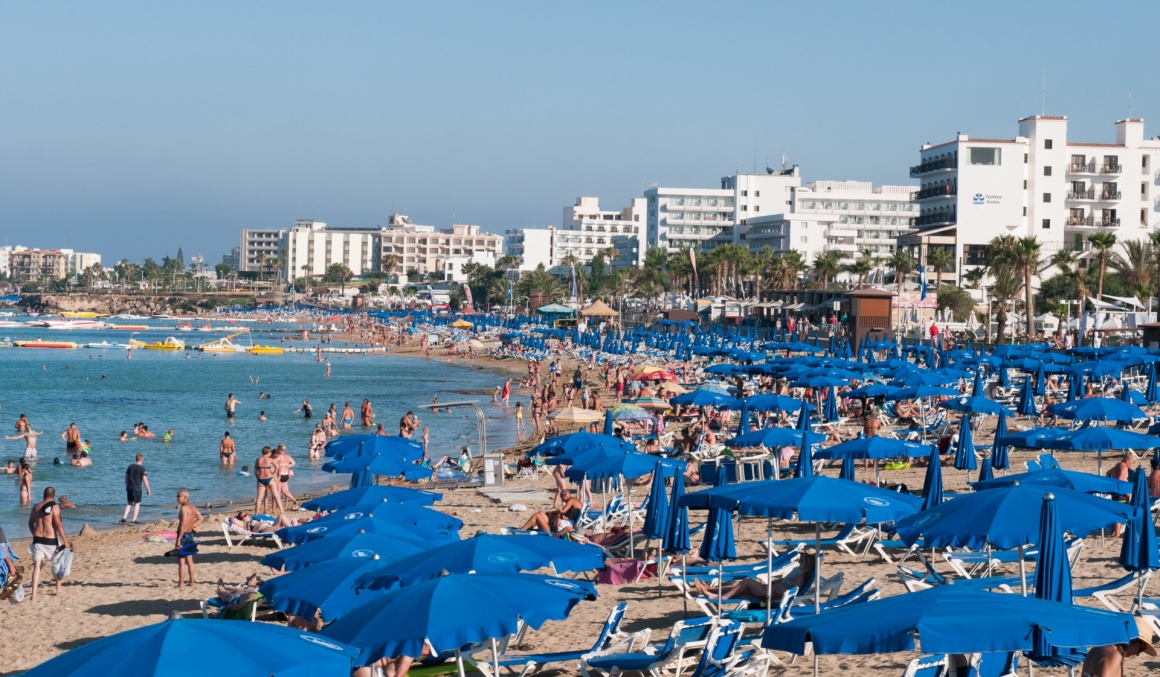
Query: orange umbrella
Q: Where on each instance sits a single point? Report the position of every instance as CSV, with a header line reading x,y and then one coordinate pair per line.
x,y
654,374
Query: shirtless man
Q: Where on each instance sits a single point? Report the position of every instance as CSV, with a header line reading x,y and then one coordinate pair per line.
x,y
47,536
231,406
1108,661
227,450
188,520
1122,471
72,440
347,416
265,472
29,436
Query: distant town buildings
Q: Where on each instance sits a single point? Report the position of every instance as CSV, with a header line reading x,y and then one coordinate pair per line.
x,y
260,245
586,231
31,265
1039,184
425,249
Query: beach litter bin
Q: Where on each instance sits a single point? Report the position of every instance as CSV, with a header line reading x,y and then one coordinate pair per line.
x,y
492,470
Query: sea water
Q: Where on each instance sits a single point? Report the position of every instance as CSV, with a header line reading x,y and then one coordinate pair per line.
x,y
104,393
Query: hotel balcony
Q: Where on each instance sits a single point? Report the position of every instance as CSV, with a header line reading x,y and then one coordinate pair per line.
x,y
1076,168
1110,195
1089,194
944,165
841,232
936,192
1111,169
944,219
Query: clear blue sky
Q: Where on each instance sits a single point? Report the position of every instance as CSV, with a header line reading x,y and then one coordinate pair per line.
x,y
132,128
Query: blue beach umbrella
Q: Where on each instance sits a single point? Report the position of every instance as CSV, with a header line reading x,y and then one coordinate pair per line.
x,y
328,587
1102,409
974,405
656,518
717,544
815,499
578,443
986,472
1100,439
403,448
367,496
1140,549
950,619
361,545
484,554
454,611
415,518
1007,518
830,410
932,484
378,463
677,535
1036,438
922,391
743,423
1058,477
323,528
1053,572
1151,392
1000,452
849,469
872,448
805,461
181,646
965,447
608,427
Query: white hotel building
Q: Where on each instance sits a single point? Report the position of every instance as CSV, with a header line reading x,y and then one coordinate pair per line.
x,y
846,217
1037,184
587,230
682,217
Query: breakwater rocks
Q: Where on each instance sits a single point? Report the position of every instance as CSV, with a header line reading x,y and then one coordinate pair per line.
x,y
134,304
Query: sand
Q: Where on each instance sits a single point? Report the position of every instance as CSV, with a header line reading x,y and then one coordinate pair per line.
x,y
120,582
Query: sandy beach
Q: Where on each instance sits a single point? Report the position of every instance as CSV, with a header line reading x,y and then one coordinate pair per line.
x,y
120,581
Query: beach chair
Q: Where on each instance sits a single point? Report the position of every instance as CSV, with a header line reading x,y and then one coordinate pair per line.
x,y
655,661
720,657
994,664
1135,581
8,578
780,565
866,592
927,666
1044,462
610,638
214,607
851,536
241,535
915,580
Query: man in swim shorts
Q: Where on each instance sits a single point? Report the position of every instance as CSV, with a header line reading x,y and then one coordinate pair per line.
x,y
188,520
231,405
29,436
72,440
227,450
47,536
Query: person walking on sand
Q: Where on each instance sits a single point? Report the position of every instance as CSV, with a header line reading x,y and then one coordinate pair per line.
x,y
231,406
72,440
29,436
48,536
188,520
135,480
265,472
227,450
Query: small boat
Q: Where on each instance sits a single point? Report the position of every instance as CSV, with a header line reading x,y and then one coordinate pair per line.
x,y
265,350
169,343
222,345
130,327
205,327
80,315
164,316
12,323
184,327
45,344
72,324
99,345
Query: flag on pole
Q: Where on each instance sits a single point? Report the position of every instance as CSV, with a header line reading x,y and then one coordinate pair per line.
x,y
467,301
693,261
922,282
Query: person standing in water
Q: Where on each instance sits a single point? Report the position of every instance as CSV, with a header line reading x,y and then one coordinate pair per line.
x,y
266,474
231,406
227,450
368,414
135,481
347,416
24,472
72,441
29,436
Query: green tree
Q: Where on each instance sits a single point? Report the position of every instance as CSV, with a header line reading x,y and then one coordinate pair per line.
x,y
1021,255
958,300
862,266
941,260
1135,266
1007,285
902,265
339,273
827,265
1103,243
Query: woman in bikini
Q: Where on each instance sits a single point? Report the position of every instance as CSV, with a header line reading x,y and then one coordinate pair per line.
x,y
265,472
285,471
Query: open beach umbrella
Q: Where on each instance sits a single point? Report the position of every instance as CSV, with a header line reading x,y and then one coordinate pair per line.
x,y
1007,518
872,448
420,519
950,619
1000,452
403,448
965,447
1101,438
576,415
1058,477
369,496
974,405
1140,549
578,442
181,646
629,412
484,554
326,528
932,484
327,586
1036,438
702,398
1102,409
653,403
453,611
362,545
653,374
378,463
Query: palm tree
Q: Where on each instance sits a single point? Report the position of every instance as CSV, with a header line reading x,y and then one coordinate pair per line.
x,y
610,255
974,277
902,265
1021,254
862,266
942,260
1103,243
388,263
1005,290
1136,266
680,269
1154,237
827,265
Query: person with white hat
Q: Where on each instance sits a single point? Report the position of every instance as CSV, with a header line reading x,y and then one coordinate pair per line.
x,y
1108,661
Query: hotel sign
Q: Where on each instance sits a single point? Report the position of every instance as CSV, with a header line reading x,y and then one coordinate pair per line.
x,y
981,199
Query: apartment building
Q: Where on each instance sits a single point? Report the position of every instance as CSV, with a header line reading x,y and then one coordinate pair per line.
x,y
534,247
586,230
262,244
311,247
1039,183
425,249
38,264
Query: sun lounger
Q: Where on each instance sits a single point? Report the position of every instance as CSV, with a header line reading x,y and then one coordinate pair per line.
x,y
996,664
610,639
241,535
1044,462
220,609
1134,581
927,666
850,537
967,564
915,580
673,654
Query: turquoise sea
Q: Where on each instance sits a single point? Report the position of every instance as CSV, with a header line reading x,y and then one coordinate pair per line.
x,y
104,393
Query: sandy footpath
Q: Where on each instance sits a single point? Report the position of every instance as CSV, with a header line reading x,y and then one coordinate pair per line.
x,y
120,582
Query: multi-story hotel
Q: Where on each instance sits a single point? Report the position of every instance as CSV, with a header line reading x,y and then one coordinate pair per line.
x,y
260,245
847,217
38,264
425,249
311,247
1038,184
587,230
682,217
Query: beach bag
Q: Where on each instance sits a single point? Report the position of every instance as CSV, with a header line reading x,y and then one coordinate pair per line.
x,y
62,564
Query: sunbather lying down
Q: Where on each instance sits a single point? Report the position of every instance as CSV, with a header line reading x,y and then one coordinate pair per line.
x,y
245,520
393,667
555,520
238,596
616,535
752,588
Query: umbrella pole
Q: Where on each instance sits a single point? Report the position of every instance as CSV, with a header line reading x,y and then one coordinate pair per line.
x,y
769,570
459,663
495,657
1022,574
876,482
685,582
631,514
817,571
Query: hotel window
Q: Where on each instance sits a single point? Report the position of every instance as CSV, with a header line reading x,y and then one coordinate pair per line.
x,y
1047,197
1143,217
1046,223
985,156
757,193
1047,144
1047,170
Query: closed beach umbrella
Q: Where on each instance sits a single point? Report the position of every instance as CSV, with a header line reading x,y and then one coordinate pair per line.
x,y
717,544
830,410
361,545
965,448
453,611
181,646
484,554
656,518
932,484
1140,549
950,619
743,423
1151,392
849,470
986,472
369,496
1000,452
608,427
1053,572
328,587
677,535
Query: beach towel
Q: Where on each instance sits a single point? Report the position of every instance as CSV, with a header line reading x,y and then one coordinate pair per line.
x,y
618,573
